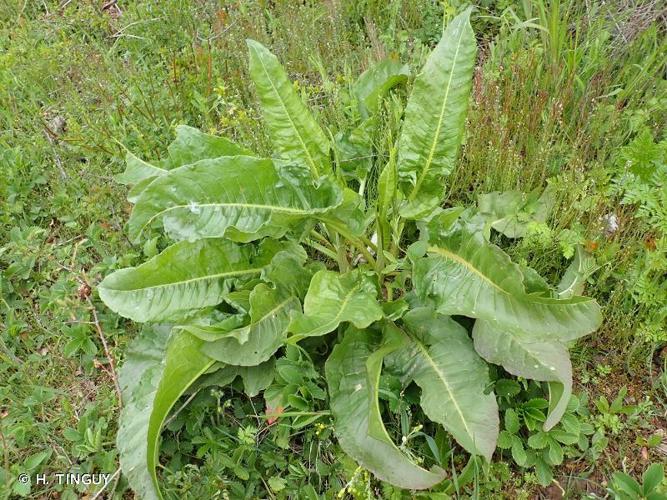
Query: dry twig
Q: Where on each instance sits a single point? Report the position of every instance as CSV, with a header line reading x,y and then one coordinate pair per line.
x,y
84,293
103,339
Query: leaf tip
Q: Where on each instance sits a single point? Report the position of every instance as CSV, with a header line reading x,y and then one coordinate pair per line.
x,y
254,45
465,15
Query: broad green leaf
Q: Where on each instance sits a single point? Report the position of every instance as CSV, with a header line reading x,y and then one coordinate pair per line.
x,y
183,277
393,339
504,440
518,452
138,378
376,81
240,299
333,298
211,328
354,150
263,309
530,356
512,423
270,313
543,472
396,309
138,174
257,378
221,376
652,478
137,170
577,273
349,214
564,437
559,395
510,212
295,134
135,191
534,283
440,358
238,197
627,484
288,270
144,352
555,453
33,461
387,200
184,363
387,185
465,274
192,145
442,221
435,118
211,331
351,399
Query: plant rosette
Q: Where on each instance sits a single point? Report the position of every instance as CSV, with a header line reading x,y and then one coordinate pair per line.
x,y
270,252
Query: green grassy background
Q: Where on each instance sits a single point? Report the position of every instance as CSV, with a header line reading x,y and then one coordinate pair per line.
x,y
566,93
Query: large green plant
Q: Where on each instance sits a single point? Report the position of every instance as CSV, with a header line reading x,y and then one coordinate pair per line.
x,y
276,251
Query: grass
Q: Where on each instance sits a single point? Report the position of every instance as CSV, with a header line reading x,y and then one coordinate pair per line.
x,y
561,91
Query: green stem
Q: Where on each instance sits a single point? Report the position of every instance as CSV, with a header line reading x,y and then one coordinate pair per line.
x,y
369,243
341,252
322,249
397,240
343,264
321,238
364,251
362,186
357,242
380,247
334,243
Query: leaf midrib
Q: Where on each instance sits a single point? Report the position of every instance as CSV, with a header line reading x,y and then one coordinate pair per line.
x,y
336,318
443,377
429,160
262,318
226,274
270,208
153,448
311,161
460,260
158,170
155,170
